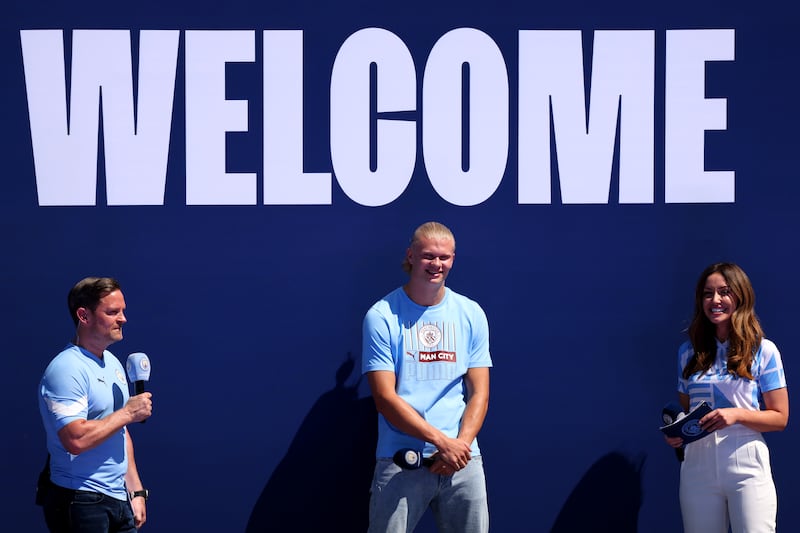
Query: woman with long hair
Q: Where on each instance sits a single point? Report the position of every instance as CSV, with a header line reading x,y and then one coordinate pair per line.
x,y
727,362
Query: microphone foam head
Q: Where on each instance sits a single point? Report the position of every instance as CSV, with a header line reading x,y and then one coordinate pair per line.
x,y
408,459
138,367
671,412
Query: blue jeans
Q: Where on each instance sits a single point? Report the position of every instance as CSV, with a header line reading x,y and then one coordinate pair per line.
x,y
400,498
80,511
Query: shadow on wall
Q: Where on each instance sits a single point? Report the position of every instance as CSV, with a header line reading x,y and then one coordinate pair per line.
x,y
322,484
607,499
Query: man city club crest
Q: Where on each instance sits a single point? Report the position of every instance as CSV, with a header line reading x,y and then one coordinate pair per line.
x,y
430,335
692,428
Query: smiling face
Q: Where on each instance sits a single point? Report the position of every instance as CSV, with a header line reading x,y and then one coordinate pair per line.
x,y
431,259
719,303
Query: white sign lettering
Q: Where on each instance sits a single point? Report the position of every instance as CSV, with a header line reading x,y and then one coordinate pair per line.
x,y
459,132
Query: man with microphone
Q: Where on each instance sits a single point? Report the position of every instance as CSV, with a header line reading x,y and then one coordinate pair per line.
x,y
94,485
426,357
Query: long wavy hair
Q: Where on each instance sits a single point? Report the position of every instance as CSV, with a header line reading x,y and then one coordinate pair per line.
x,y
745,334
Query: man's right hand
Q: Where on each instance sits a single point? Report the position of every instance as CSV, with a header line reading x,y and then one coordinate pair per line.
x,y
81,435
454,452
140,407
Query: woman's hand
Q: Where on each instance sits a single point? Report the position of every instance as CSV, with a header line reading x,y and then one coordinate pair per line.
x,y
720,418
675,442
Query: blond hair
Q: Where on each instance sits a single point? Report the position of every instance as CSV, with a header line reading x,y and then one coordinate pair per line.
x,y
428,230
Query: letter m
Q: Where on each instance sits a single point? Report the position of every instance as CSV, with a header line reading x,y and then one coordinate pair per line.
x,y
552,80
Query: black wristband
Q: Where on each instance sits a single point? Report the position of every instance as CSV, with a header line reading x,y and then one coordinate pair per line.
x,y
144,493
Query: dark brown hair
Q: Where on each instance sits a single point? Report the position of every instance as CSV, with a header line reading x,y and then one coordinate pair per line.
x,y
88,292
745,334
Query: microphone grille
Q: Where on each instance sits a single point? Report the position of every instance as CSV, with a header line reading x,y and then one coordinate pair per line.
x,y
138,367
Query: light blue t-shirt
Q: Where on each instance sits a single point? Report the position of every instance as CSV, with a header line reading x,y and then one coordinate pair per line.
x,y
430,350
721,389
78,385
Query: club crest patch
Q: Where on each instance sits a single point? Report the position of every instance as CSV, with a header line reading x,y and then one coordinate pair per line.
x,y
430,335
692,428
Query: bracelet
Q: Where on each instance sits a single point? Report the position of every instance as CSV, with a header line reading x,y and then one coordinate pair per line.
x,y
144,493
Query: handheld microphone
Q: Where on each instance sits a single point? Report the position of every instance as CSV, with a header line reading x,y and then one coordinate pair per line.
x,y
671,413
138,367
409,459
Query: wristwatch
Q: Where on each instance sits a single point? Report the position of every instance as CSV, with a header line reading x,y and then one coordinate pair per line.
x,y
144,493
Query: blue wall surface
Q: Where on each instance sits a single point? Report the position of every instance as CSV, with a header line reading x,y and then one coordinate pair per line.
x,y
591,158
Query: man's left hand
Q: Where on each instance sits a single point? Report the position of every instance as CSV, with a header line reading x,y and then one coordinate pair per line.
x,y
139,512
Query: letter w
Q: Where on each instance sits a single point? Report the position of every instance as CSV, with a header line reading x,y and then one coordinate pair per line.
x,y
64,134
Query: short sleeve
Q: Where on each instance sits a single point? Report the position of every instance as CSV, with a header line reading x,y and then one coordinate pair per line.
x,y
64,391
376,349
771,374
684,353
479,354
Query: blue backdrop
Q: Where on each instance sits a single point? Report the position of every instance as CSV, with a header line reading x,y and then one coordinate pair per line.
x,y
246,280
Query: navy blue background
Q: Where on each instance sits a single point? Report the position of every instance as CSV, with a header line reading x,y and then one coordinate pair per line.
x,y
251,315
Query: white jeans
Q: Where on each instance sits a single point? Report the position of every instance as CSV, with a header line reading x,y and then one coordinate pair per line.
x,y
726,478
